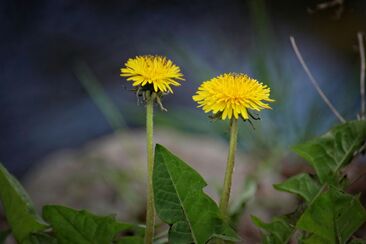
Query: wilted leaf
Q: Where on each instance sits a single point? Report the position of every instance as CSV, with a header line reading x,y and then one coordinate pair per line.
x,y
180,202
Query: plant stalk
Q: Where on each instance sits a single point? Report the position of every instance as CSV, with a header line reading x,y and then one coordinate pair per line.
x,y
225,195
150,208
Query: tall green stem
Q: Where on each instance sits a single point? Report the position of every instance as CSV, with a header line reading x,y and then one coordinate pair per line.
x,y
225,195
150,209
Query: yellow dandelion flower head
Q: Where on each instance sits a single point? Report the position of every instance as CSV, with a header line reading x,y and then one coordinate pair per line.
x,y
156,72
231,95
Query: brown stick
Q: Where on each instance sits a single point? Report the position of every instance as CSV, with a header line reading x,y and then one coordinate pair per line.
x,y
328,5
314,82
362,73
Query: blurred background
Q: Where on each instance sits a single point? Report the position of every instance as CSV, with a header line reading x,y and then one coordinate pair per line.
x,y
70,126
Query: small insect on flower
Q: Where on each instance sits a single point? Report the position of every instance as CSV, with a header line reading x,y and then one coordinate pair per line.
x,y
154,73
231,95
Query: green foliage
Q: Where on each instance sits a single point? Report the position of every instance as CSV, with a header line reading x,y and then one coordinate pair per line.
x,y
66,225
314,239
357,241
302,185
72,226
40,238
332,216
278,231
3,235
328,214
131,240
180,201
334,150
18,207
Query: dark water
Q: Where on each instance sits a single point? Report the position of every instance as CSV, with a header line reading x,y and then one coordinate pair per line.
x,y
45,107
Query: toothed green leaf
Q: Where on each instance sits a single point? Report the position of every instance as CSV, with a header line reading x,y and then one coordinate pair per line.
x,y
181,202
329,153
302,185
18,207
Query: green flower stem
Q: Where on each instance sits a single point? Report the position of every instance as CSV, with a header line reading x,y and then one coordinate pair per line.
x,y
150,209
225,195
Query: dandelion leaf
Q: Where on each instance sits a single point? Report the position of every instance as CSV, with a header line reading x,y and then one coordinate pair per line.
x,y
329,153
333,216
278,231
18,208
302,185
180,202
81,227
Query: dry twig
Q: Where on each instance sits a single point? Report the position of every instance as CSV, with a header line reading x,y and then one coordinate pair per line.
x,y
328,5
314,82
362,73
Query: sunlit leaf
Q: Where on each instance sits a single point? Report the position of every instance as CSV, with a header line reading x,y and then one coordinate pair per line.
x,y
180,202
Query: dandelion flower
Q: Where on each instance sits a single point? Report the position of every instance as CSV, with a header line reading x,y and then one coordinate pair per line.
x,y
156,73
231,95
152,76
